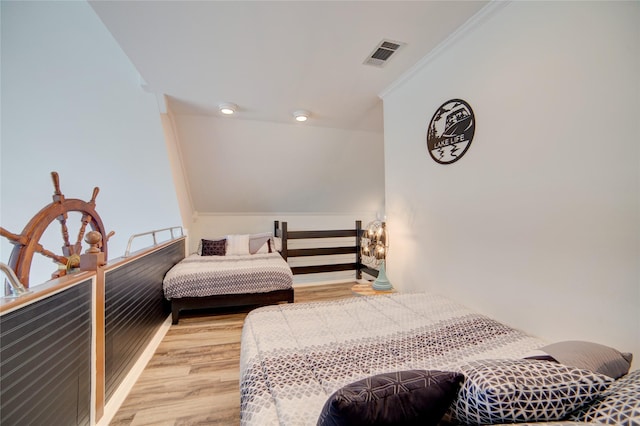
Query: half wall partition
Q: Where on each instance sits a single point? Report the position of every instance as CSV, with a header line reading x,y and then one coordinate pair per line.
x,y
68,345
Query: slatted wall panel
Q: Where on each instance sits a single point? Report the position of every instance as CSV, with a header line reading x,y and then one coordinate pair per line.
x,y
45,360
134,309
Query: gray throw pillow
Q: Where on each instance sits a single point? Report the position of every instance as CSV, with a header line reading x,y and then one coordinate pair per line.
x,y
590,356
256,241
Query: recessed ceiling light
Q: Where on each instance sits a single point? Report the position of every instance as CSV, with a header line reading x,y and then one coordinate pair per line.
x,y
228,108
301,115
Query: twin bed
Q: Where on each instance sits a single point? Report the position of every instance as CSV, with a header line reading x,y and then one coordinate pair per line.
x,y
398,358
252,269
200,282
229,271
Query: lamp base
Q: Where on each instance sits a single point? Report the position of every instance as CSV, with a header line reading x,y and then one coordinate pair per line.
x,y
382,282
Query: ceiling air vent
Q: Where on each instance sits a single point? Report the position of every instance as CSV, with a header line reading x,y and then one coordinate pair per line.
x,y
381,54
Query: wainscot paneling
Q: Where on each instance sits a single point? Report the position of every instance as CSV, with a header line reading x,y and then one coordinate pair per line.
x,y
45,360
134,310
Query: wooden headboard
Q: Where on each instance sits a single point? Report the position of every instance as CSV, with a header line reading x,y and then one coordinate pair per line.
x,y
281,231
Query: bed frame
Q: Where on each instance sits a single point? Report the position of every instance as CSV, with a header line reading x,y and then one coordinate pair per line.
x,y
285,296
286,235
229,301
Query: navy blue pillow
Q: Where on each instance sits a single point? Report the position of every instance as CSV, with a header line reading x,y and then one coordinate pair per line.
x,y
412,397
214,247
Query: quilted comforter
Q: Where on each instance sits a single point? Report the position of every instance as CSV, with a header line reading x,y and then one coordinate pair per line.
x,y
199,276
293,357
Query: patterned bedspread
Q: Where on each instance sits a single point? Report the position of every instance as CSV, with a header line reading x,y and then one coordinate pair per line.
x,y
293,357
198,276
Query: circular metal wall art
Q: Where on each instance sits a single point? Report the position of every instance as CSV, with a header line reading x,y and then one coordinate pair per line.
x,y
451,131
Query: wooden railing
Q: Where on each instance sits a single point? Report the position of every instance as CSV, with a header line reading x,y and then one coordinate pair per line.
x,y
352,248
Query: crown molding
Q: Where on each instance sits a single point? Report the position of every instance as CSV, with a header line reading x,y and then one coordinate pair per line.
x,y
478,19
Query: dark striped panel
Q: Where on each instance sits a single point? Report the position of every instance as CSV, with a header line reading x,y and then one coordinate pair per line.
x,y
45,360
134,310
315,269
323,251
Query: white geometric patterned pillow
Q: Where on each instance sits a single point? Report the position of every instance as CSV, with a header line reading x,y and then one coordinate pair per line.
x,y
517,391
619,406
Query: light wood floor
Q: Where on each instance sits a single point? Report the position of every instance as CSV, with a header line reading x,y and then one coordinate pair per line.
x,y
193,377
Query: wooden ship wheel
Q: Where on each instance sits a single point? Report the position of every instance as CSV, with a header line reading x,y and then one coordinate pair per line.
x,y
27,243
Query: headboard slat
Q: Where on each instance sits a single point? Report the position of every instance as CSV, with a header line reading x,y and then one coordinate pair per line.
x,y
322,251
337,233
315,269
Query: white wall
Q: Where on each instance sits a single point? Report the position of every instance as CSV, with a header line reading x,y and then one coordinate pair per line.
x,y
248,166
539,223
72,102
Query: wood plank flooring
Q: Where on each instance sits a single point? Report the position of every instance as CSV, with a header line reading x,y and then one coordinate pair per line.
x,y
193,377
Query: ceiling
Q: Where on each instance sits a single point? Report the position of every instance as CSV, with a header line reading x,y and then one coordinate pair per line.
x,y
274,57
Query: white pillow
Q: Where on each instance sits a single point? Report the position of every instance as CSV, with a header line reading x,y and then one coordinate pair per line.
x,y
237,244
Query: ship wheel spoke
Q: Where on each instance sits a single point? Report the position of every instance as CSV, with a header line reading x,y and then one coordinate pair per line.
x,y
58,197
